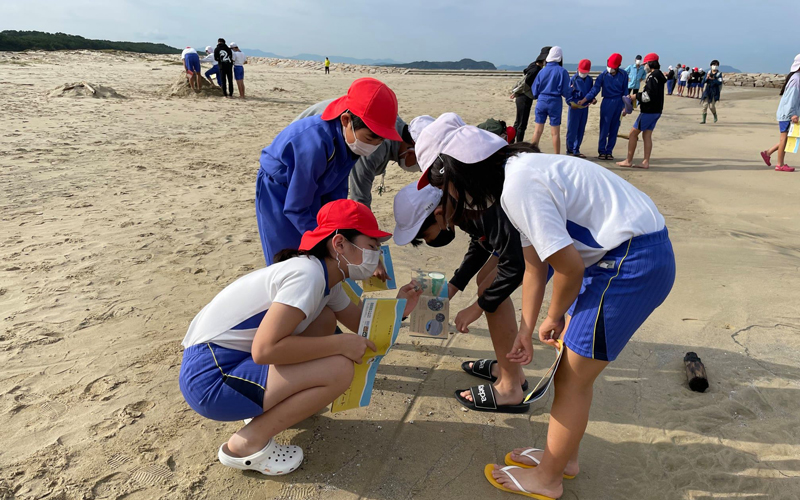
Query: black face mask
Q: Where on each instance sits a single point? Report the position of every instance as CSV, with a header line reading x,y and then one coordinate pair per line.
x,y
444,238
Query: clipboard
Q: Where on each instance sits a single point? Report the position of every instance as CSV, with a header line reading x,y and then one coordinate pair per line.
x,y
544,384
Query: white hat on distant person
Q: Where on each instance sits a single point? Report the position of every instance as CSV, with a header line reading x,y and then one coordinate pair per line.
x,y
449,135
209,49
796,63
411,208
555,54
233,46
417,124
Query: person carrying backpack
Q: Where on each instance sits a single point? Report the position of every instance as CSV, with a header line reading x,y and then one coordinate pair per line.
x,y
522,95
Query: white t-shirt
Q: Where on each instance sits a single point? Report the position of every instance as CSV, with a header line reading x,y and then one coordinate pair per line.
x,y
233,316
685,75
209,59
556,201
239,58
187,51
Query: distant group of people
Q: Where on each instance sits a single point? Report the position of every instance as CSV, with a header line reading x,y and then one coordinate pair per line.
x,y
227,64
549,84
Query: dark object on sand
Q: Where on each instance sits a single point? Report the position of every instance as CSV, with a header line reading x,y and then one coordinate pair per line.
x,y
695,372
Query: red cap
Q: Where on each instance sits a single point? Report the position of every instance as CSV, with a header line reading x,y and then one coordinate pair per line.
x,y
615,61
343,214
652,56
372,101
511,134
585,66
695,69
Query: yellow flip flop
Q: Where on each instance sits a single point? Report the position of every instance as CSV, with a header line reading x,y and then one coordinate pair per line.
x,y
487,471
526,453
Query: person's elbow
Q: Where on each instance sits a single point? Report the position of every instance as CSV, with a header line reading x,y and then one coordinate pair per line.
x,y
263,354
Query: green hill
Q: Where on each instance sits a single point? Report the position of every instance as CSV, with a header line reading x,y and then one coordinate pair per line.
x,y
462,64
11,40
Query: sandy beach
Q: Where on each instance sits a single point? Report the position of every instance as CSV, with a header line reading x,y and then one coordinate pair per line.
x,y
120,218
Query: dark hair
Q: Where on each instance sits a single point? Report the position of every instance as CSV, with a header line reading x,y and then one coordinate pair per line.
x,y
358,123
406,135
420,237
320,250
482,180
654,64
786,82
220,40
714,63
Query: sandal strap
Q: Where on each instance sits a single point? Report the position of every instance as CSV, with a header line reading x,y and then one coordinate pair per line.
x,y
483,396
516,483
483,368
527,452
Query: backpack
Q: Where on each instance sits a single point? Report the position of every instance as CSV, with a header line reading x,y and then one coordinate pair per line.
x,y
522,88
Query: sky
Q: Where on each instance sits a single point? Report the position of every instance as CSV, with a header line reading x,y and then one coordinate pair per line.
x,y
750,35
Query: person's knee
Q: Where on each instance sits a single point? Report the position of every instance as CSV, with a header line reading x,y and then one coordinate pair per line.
x,y
341,370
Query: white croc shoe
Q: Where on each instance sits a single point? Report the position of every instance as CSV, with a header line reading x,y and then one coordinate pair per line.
x,y
273,460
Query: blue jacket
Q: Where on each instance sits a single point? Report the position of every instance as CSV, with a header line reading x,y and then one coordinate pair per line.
x,y
614,86
551,80
712,87
579,87
635,76
311,161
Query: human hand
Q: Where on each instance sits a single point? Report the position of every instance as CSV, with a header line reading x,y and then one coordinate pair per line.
x,y
355,346
467,316
522,351
582,102
380,272
794,119
594,101
411,292
550,330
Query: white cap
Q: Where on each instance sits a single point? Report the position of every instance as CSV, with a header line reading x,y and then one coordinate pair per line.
x,y
555,54
451,136
411,208
233,46
419,123
209,49
670,68
796,63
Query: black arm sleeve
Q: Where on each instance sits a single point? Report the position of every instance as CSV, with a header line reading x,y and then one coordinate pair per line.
x,y
474,260
504,238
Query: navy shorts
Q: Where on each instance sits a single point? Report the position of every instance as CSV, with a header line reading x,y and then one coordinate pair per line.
x,y
646,121
192,63
548,105
238,72
784,126
681,84
222,384
619,293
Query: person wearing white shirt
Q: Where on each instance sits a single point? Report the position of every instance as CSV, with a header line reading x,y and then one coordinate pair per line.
x,y
191,62
214,71
239,60
610,252
264,348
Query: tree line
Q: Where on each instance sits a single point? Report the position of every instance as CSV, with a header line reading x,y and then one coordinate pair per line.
x,y
11,40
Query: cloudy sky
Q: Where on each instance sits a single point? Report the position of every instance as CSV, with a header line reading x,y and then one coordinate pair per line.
x,y
749,35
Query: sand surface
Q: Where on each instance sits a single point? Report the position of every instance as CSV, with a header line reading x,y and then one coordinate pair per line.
x,y
121,218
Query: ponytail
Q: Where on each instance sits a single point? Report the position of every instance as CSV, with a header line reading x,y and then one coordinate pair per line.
x,y
786,82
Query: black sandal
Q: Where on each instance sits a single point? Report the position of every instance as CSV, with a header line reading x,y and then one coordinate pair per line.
x,y
483,399
602,157
482,368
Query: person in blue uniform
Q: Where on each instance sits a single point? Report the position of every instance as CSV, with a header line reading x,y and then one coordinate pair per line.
x,y
580,84
551,84
614,84
309,162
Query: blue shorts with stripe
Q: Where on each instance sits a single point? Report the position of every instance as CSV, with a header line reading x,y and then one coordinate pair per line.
x,y
192,62
619,293
222,384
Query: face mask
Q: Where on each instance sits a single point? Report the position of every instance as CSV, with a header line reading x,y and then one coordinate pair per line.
x,y
369,262
582,75
443,238
408,168
714,68
359,148
610,70
468,202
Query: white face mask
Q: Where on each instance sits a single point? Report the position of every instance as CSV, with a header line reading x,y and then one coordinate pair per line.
x,y
582,75
714,68
402,162
359,148
610,70
369,262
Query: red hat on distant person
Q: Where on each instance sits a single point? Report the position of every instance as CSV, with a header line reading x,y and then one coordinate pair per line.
x,y
615,61
343,214
373,102
511,134
652,56
585,66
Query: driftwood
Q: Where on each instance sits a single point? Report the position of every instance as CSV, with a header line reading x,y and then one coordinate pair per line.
x,y
89,87
695,372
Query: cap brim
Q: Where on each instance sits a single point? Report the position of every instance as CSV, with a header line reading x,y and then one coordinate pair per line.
x,y
389,133
335,108
423,180
311,238
403,237
381,236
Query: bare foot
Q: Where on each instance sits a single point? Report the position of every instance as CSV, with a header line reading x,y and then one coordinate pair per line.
x,y
572,468
624,163
531,480
645,165
505,395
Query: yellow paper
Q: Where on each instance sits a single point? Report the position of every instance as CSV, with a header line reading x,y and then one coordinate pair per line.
x,y
380,322
792,145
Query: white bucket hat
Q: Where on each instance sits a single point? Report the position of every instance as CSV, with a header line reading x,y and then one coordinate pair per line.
x,y
451,136
411,208
419,123
555,55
